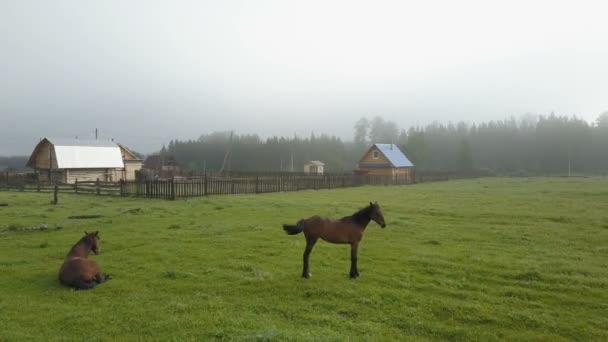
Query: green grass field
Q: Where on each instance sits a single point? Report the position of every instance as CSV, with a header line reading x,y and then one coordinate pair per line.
x,y
486,259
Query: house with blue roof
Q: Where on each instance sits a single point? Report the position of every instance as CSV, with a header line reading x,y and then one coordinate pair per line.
x,y
385,160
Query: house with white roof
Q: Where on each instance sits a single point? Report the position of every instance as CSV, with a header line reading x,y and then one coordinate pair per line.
x,y
68,160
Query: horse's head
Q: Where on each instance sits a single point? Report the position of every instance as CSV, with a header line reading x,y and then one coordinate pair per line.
x,y
376,214
92,239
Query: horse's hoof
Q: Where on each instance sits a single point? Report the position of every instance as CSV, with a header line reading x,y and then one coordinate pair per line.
x,y
108,277
353,276
306,275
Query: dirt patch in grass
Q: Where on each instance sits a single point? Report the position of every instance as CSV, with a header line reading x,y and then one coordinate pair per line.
x,y
84,217
559,219
432,242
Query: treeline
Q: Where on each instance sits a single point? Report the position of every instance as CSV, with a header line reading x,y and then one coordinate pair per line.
x,y
530,145
251,153
15,163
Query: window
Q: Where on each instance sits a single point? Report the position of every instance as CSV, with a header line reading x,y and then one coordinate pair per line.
x,y
375,155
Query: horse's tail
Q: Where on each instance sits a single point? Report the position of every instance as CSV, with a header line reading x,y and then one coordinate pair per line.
x,y
80,284
294,229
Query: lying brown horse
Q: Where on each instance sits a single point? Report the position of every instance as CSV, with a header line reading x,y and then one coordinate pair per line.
x,y
348,229
79,272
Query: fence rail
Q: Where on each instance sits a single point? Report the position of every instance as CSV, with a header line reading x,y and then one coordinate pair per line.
x,y
178,187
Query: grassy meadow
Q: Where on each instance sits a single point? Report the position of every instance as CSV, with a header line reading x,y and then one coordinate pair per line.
x,y
483,259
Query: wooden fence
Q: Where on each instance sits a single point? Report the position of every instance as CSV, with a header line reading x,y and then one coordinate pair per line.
x,y
90,187
176,188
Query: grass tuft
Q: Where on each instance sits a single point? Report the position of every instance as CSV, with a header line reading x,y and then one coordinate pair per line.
x,y
528,276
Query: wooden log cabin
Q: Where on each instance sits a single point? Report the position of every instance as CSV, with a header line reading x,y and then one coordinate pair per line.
x,y
386,160
65,160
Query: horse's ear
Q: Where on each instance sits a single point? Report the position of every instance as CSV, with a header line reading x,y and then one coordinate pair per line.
x,y
85,233
370,204
97,233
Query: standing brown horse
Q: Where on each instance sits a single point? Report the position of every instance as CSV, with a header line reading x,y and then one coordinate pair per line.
x,y
348,229
79,272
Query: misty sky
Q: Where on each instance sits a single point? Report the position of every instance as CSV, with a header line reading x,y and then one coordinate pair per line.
x,y
146,72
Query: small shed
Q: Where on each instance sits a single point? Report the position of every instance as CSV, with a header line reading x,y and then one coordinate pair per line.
x,y
314,166
65,160
385,159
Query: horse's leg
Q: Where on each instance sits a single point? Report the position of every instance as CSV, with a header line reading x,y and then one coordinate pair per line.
x,y
310,242
80,284
354,272
102,277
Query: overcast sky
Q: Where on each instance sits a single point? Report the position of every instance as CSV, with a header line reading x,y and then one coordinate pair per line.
x,y
146,72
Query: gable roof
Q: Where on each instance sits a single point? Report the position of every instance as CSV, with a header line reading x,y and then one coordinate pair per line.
x,y
314,162
393,154
84,154
133,156
80,142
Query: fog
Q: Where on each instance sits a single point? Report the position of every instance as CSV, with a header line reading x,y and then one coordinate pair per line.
x,y
147,72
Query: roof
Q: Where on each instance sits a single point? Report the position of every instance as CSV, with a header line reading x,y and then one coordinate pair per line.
x,y
85,154
134,157
394,155
81,142
315,162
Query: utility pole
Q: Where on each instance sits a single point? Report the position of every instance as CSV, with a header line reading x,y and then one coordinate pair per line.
x,y
569,161
95,133
227,155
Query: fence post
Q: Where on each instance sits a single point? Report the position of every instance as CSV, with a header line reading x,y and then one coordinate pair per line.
x,y
257,184
122,190
173,188
76,186
55,193
205,185
97,187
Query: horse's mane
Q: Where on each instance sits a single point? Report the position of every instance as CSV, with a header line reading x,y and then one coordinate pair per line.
x,y
83,240
362,215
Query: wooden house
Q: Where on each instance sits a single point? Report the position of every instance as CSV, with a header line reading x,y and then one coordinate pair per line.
x,y
132,163
385,159
66,160
314,166
160,165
